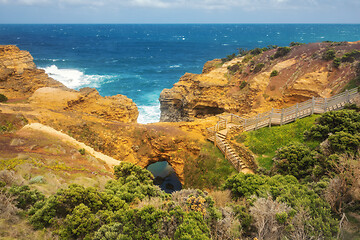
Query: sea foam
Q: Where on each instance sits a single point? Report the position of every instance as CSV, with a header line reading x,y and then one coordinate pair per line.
x,y
73,78
149,114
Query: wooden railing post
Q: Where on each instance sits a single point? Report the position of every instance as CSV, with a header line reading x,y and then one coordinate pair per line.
x,y
325,104
282,116
312,105
256,121
347,96
270,117
297,111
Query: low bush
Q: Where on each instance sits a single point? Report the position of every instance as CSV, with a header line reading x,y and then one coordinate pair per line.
x,y
282,51
274,73
329,55
335,121
336,62
286,189
293,44
294,159
243,84
256,51
343,142
82,151
234,68
3,98
25,198
351,56
258,67
228,58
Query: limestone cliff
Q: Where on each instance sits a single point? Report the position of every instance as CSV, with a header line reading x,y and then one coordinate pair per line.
x,y
107,124
21,80
19,77
259,82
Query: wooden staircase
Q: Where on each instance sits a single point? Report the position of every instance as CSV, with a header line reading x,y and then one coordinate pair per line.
x,y
219,139
217,133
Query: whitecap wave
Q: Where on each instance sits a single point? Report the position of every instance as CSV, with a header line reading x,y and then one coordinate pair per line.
x,y
175,66
73,78
149,114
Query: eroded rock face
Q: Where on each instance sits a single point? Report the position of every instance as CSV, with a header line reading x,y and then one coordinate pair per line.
x,y
19,77
86,101
239,87
12,58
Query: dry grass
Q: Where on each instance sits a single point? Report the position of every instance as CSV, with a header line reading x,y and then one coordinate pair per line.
x,y
221,198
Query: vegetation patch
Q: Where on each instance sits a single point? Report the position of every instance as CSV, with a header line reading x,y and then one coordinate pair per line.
x,y
351,56
265,141
209,170
258,67
274,73
329,55
281,52
3,98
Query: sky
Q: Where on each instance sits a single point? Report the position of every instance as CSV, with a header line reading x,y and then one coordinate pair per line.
x,y
179,11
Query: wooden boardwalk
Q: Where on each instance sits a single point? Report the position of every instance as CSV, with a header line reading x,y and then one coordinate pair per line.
x,y
217,133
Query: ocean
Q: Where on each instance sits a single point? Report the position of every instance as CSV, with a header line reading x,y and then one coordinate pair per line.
x,y
140,60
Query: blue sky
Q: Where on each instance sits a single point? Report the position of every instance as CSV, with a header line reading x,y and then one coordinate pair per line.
x,y
179,11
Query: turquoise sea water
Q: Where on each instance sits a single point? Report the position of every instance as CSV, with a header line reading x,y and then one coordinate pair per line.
x,y
139,60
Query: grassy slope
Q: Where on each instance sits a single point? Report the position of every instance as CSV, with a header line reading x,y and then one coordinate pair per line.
x,y
265,141
208,171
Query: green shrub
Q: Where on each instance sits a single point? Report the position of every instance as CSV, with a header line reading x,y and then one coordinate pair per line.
x,y
234,68
336,62
3,98
243,84
329,55
258,67
335,121
287,189
24,197
274,73
242,52
282,51
37,179
351,56
247,58
294,159
79,224
82,151
256,51
293,44
344,142
228,58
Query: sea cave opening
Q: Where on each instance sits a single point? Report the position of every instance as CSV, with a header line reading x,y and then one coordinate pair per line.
x,y
206,111
165,176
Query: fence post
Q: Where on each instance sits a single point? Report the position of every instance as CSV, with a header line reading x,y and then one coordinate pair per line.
x,y
312,105
231,118
256,121
239,166
270,117
297,111
282,115
325,104
347,96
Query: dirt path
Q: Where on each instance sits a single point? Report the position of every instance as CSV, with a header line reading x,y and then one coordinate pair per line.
x,y
66,138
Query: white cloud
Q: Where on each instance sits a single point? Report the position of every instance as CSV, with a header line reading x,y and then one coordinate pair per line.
x,y
244,5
